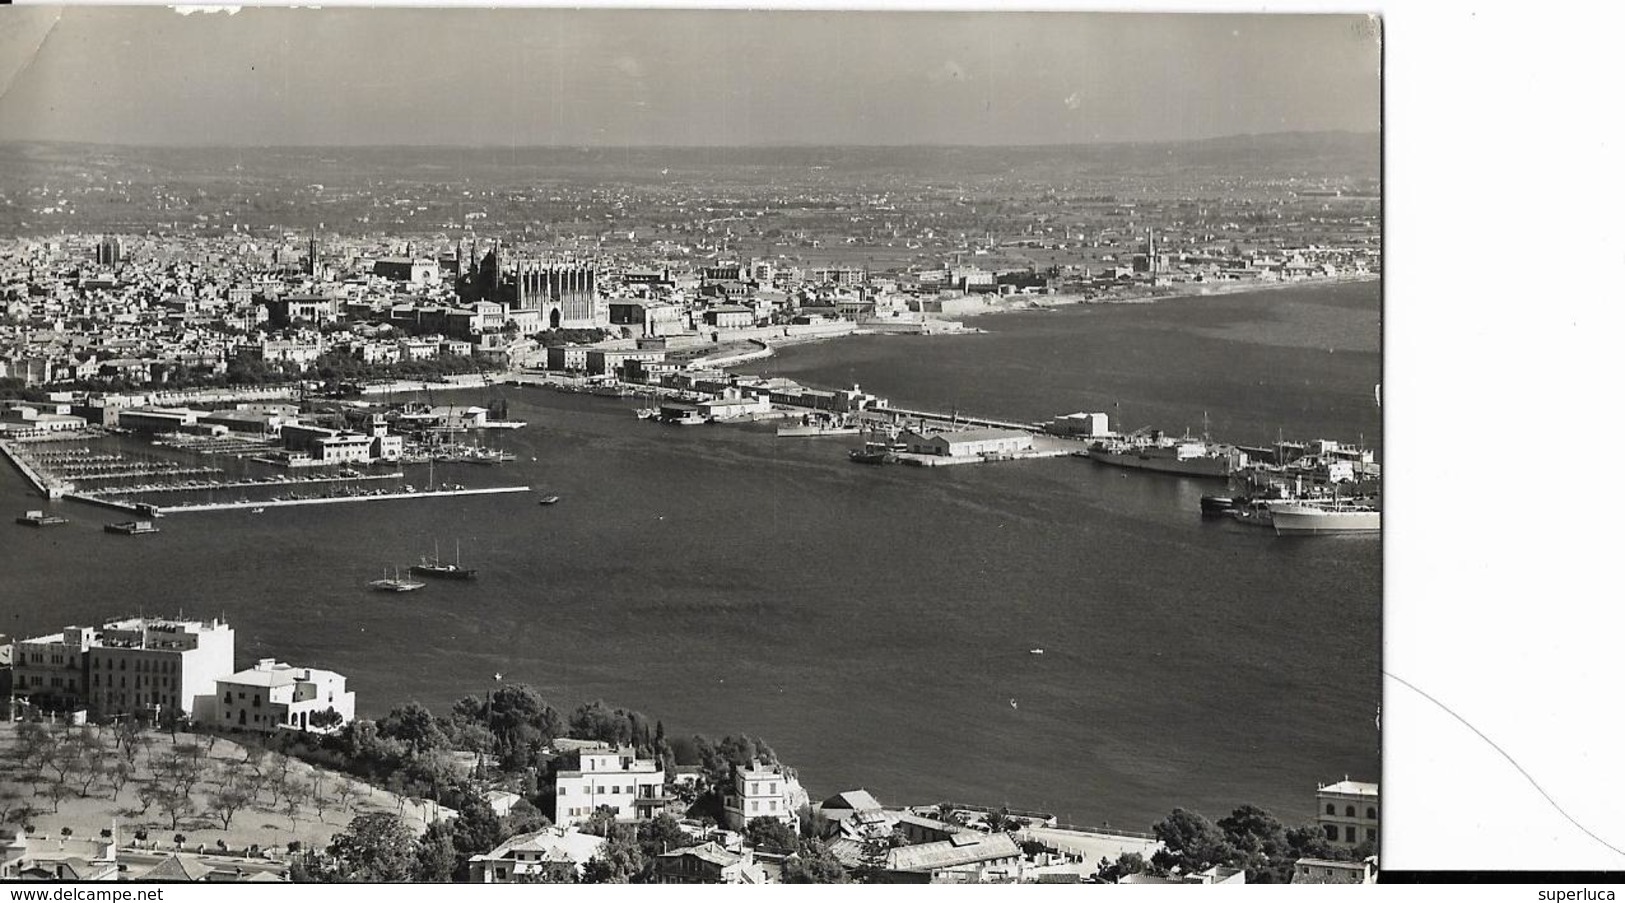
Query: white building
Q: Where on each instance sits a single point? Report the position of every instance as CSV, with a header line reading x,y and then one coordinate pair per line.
x,y
137,664
968,443
272,696
761,790
632,788
1347,811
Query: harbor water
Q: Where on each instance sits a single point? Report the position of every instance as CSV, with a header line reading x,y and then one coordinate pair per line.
x,y
875,625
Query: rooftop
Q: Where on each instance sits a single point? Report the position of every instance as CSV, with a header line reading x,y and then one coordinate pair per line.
x,y
1360,788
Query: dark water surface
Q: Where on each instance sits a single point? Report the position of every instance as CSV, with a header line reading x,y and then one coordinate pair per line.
x,y
872,623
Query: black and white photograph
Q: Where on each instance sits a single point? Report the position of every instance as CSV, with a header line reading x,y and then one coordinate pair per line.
x,y
691,446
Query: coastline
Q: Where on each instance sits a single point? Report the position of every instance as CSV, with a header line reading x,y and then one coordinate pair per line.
x,y
1140,295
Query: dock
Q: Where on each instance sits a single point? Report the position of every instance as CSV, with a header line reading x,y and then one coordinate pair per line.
x,y
251,484
45,486
938,417
335,500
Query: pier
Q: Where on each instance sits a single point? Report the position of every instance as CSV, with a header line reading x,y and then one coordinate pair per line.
x,y
936,417
334,500
249,484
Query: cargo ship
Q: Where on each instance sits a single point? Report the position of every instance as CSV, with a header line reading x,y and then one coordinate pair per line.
x,y
1186,457
1305,517
132,528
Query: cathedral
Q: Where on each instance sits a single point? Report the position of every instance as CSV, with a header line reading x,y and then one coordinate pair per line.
x,y
535,294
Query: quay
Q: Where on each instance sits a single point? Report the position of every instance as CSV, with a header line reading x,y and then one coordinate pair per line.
x,y
148,472
286,503
250,484
45,486
936,417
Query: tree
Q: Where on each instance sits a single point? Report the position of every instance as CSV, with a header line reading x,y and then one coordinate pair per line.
x,y
226,802
601,822
1260,844
376,847
1126,864
662,834
437,859
1190,842
770,834
619,861
413,725
295,793
173,803
326,719
813,863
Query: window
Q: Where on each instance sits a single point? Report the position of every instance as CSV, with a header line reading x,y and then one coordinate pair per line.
x,y
1348,811
1331,832
1331,809
1348,833
562,788
1371,812
1371,834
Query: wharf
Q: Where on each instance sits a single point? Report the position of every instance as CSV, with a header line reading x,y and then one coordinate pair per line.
x,y
286,503
252,484
936,417
147,472
45,486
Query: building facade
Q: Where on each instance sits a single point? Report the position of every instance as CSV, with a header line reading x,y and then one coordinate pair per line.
x,y
614,777
760,790
1348,812
134,665
273,696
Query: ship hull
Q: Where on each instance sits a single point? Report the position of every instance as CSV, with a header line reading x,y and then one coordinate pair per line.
x,y
1296,520
1215,468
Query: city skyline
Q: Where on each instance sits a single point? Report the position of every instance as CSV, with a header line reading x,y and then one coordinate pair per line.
x,y
647,78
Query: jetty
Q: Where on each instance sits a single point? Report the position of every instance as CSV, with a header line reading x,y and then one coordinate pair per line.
x,y
334,500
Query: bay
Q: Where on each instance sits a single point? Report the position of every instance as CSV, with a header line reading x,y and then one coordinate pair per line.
x,y
873,624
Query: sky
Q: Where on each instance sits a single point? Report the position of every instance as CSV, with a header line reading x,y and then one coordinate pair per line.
x,y
629,77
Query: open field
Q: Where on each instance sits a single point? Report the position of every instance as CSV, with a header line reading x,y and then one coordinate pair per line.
x,y
92,778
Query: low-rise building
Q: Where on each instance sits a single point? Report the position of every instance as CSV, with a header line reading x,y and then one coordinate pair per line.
x,y
632,789
968,443
527,855
1329,871
26,858
273,696
707,863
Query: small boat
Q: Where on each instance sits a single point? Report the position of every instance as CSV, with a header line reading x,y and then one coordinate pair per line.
x,y
41,519
132,528
395,584
256,511
1035,651
548,500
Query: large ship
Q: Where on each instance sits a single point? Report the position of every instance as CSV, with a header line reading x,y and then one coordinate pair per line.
x,y
1186,456
1304,517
